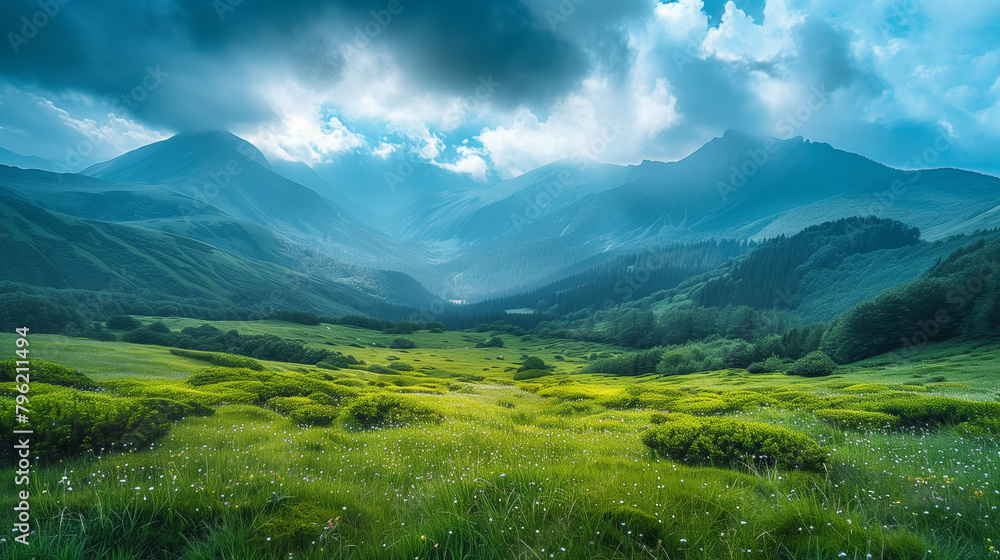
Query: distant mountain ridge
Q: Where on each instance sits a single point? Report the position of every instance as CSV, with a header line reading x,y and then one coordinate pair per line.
x,y
736,186
231,175
478,241
14,159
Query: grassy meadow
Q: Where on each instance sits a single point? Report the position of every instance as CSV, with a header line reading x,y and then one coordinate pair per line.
x,y
440,453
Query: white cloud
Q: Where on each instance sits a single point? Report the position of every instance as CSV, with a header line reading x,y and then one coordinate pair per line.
x,y
384,150
431,148
602,121
682,21
305,138
470,162
73,130
739,38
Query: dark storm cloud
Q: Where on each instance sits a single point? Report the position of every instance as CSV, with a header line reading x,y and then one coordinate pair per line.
x,y
210,48
824,56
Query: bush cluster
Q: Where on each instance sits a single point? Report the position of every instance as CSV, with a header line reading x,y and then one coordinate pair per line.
x,y
520,375
46,372
728,441
920,411
386,409
493,342
813,364
257,387
856,419
210,339
77,421
220,358
771,365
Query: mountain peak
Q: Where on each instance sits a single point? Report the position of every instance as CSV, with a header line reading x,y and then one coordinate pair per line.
x,y
217,140
737,134
178,156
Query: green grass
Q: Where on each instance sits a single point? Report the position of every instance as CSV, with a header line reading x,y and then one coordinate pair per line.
x,y
549,468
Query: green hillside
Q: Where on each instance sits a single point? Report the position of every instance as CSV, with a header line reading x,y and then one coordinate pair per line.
x,y
438,451
45,248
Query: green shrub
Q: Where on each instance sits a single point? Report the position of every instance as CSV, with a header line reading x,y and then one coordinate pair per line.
x,y
285,405
349,382
165,390
744,400
387,409
728,441
532,362
233,392
314,414
220,359
175,410
494,342
919,411
632,363
701,405
770,365
402,343
793,398
530,374
650,399
982,426
856,419
323,398
623,401
378,368
46,372
215,375
401,366
78,421
687,359
813,364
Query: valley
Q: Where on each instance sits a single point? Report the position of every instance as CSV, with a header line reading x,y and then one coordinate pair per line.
x,y
500,280
469,459
586,361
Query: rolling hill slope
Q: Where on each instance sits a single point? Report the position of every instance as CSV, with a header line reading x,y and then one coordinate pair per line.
x,y
232,176
45,248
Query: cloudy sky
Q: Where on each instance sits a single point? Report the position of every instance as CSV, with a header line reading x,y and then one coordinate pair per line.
x,y
493,89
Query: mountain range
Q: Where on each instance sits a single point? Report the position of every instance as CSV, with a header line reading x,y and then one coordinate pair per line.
x,y
462,241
